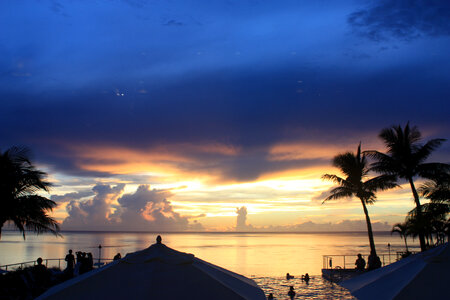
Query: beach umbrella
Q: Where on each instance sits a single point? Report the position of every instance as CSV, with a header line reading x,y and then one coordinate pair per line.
x,y
158,272
421,276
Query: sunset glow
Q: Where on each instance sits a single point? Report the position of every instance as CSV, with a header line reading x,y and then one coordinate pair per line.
x,y
174,116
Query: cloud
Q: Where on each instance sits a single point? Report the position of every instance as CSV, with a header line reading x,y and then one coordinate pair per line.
x,y
345,225
144,210
93,214
321,196
173,23
236,109
71,196
148,209
404,20
241,220
216,134
309,226
212,162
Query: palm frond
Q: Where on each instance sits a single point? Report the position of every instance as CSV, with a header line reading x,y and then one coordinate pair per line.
x,y
43,224
434,192
333,178
381,183
383,163
425,151
432,170
19,182
400,228
338,193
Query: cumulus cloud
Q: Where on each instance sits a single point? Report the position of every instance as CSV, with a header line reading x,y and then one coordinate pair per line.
x,y
241,220
93,214
144,210
402,19
149,209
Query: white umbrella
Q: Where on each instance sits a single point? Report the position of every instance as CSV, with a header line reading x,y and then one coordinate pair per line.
x,y
158,272
420,276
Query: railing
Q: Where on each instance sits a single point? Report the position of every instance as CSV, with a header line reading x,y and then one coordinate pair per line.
x,y
403,254
51,263
348,261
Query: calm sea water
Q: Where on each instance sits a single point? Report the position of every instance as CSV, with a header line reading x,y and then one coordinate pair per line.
x,y
265,257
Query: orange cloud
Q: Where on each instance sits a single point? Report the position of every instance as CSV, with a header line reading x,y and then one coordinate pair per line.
x,y
177,161
297,151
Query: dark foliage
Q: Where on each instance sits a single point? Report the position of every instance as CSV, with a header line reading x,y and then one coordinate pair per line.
x,y
19,183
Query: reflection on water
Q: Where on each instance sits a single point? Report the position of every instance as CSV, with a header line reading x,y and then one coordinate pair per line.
x,y
317,288
250,254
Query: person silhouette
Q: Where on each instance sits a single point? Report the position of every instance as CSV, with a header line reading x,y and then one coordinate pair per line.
x,y
41,275
270,297
40,267
70,259
79,255
306,278
90,262
158,239
117,256
374,262
291,292
84,263
360,263
289,276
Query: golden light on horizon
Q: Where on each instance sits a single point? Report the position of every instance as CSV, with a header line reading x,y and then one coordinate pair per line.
x,y
206,195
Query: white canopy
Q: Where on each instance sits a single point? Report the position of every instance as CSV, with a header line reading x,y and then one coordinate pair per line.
x,y
158,272
422,276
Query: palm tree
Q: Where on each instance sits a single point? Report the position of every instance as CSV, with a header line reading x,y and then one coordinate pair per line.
x,y
406,158
434,218
436,211
356,169
438,189
403,230
20,205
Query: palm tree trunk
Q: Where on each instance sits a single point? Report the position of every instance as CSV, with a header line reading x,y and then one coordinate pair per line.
x,y
369,229
406,245
419,214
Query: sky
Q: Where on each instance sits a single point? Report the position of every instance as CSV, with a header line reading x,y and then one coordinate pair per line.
x,y
218,115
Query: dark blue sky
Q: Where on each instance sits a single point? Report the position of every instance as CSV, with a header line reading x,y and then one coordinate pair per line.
x,y
246,74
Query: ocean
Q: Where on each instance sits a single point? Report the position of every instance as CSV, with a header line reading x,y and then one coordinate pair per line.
x,y
265,257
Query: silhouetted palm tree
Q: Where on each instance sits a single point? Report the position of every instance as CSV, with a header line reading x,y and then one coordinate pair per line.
x,y
406,158
19,182
403,230
356,169
438,189
433,222
437,210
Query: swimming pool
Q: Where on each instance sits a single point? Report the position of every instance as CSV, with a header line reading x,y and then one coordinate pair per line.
x,y
317,288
